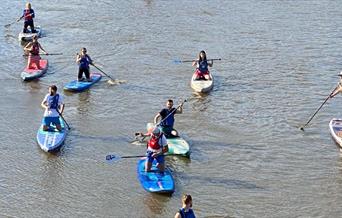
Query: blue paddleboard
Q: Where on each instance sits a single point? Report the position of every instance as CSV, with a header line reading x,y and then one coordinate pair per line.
x,y
79,86
155,181
53,139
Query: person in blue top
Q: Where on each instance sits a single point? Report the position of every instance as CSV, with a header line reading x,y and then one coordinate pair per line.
x,y
186,211
54,107
167,118
202,71
83,60
28,15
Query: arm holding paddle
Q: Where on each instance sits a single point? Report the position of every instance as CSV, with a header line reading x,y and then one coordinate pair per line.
x,y
337,90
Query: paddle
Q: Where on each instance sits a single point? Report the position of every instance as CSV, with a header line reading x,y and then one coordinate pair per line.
x,y
63,119
112,157
111,81
158,124
8,25
186,61
302,127
44,54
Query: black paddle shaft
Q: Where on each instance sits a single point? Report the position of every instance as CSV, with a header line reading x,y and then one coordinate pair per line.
x,y
302,128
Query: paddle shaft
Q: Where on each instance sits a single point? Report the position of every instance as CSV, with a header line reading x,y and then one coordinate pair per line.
x,y
43,54
63,119
102,71
318,109
214,59
7,25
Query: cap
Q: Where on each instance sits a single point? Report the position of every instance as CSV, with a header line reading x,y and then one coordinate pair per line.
x,y
156,131
340,74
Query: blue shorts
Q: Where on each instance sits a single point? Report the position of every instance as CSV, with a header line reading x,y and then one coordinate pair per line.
x,y
160,158
48,120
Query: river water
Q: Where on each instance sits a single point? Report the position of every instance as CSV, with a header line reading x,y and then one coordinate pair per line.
x,y
280,60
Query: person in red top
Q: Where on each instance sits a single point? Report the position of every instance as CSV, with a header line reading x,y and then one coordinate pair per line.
x,y
156,147
28,15
33,48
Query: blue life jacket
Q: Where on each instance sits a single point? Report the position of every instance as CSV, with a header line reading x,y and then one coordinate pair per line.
x,y
189,214
169,121
203,66
53,102
84,62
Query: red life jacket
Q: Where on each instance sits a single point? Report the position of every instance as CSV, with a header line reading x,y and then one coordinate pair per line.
x,y
27,14
35,49
154,142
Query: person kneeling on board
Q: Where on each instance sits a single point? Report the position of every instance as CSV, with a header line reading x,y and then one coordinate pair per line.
x,y
167,118
156,147
54,107
202,71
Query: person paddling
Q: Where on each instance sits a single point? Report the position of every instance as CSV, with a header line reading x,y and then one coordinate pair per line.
x,y
167,118
186,211
339,86
54,107
202,71
33,48
83,60
156,147
28,15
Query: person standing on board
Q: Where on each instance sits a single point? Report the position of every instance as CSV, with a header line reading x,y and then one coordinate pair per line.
x,y
338,88
54,107
167,118
28,15
202,71
33,48
83,60
186,211
156,147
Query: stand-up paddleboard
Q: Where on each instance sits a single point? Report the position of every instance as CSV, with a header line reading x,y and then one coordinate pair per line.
x,y
31,74
155,181
51,140
335,126
176,145
28,36
202,85
79,86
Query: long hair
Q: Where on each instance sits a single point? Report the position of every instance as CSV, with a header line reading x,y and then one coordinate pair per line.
x,y
204,56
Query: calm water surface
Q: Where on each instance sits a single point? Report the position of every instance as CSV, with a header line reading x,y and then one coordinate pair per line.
x,y
249,159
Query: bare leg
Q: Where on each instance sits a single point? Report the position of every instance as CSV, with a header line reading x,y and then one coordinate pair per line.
x,y
161,167
148,166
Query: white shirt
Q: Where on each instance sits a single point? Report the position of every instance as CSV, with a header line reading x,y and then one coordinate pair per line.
x,y
52,112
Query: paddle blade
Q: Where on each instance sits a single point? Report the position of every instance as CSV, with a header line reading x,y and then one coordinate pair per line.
x,y
112,157
177,61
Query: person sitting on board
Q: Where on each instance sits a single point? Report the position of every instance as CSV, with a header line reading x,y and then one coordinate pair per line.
x,y
202,71
167,118
156,147
28,15
83,60
338,88
33,48
54,107
186,211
